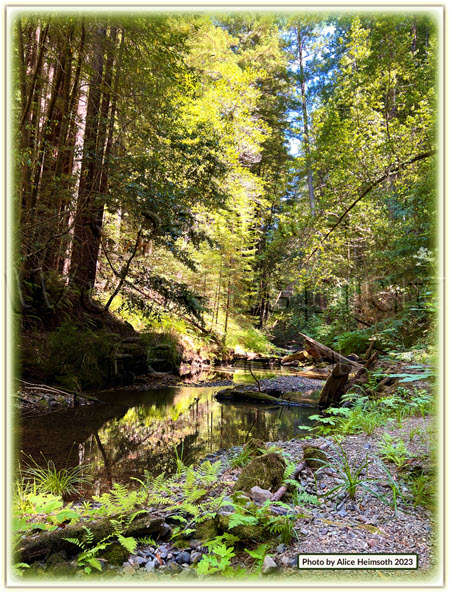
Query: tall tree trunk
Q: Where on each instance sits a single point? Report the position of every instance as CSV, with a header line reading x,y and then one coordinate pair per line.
x,y
89,216
306,138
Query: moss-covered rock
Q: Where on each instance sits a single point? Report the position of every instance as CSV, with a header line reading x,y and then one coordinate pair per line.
x,y
265,471
255,447
245,533
314,457
115,554
206,530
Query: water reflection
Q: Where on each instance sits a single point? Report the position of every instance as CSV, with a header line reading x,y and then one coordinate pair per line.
x,y
140,431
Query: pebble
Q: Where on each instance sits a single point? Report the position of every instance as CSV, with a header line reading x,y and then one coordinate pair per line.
x,y
281,548
269,565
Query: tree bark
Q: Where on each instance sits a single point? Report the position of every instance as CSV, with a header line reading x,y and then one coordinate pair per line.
x,y
306,141
334,388
89,217
328,352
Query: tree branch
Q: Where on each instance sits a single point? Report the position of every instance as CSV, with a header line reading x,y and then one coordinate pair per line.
x,y
388,172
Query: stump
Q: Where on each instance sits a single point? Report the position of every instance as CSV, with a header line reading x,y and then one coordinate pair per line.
x,y
334,388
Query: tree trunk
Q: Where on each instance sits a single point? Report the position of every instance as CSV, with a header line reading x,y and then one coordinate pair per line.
x,y
334,388
306,141
89,217
322,350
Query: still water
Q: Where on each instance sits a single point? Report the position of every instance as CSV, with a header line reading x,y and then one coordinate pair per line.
x,y
145,429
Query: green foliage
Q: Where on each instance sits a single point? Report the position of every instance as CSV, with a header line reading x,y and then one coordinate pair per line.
x,y
422,490
218,560
81,351
394,450
350,475
48,479
87,559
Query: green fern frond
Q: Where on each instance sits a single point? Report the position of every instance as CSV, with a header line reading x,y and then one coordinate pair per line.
x,y
129,543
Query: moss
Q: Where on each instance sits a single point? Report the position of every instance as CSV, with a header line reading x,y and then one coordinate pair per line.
x,y
206,530
245,533
181,543
255,447
314,457
56,558
115,554
266,471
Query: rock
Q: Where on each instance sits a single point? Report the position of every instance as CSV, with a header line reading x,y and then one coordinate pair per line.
x,y
372,543
183,558
207,530
139,560
314,457
165,530
129,569
162,552
116,554
196,557
172,567
259,495
288,561
269,565
266,471
255,447
150,566
281,548
303,531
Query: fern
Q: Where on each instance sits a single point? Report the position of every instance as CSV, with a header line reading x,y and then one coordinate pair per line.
x,y
238,519
129,543
146,541
290,468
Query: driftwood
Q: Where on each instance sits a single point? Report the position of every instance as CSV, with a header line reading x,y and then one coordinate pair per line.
x,y
278,495
334,388
43,545
46,389
322,350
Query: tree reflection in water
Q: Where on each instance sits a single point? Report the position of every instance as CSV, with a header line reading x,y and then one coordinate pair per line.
x,y
146,430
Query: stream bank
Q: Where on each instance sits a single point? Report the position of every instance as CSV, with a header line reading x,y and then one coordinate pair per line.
x,y
360,525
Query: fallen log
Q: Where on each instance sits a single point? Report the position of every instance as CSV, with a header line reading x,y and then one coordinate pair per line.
x,y
317,374
251,397
301,356
39,547
322,350
334,388
278,495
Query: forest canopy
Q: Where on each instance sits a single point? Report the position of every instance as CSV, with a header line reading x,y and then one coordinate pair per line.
x,y
236,176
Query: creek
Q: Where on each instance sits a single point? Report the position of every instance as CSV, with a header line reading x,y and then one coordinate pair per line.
x,y
147,429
